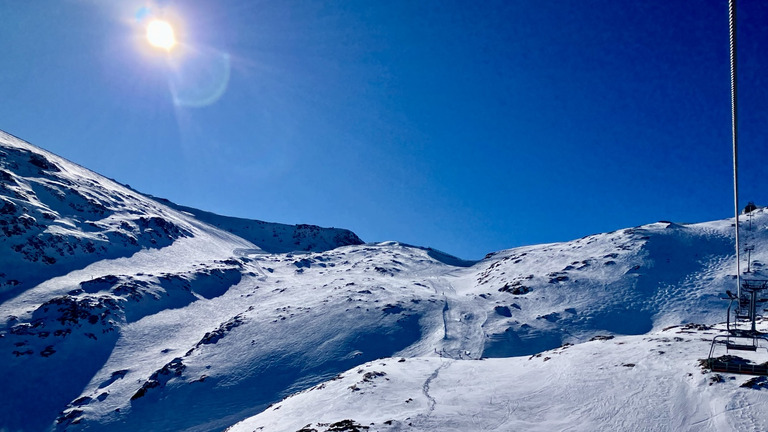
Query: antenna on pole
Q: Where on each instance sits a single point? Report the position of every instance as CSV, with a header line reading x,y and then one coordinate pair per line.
x,y
734,133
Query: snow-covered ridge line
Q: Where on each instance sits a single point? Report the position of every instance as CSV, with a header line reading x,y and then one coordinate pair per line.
x,y
275,237
53,211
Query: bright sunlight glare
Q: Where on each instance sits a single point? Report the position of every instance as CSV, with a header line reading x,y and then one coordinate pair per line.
x,y
160,34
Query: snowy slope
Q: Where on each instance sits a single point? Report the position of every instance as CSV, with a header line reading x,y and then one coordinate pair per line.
x,y
82,257
630,383
118,311
276,237
302,319
525,301
57,217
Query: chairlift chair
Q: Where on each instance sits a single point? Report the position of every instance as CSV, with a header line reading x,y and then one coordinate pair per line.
x,y
737,338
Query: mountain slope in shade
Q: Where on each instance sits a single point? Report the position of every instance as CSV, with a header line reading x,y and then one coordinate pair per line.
x,y
119,311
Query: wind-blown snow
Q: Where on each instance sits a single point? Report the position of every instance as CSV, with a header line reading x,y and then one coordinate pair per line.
x,y
119,311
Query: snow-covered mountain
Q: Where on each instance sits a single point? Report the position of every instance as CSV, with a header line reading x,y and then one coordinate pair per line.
x,y
123,312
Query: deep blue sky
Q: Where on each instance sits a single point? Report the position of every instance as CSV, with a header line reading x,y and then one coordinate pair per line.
x,y
466,126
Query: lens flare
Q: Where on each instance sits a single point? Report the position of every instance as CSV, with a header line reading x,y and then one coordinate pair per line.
x,y
198,77
160,35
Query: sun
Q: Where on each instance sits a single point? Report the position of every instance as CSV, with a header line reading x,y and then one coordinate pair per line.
x,y
160,35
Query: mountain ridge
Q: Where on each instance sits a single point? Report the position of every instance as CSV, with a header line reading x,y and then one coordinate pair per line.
x,y
270,236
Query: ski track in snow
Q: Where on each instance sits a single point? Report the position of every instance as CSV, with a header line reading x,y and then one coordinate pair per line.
x,y
425,389
463,320
743,420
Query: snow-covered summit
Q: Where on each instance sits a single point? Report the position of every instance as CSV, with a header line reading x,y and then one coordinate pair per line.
x,y
276,237
119,311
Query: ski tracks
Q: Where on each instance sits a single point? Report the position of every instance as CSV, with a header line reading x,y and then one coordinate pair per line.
x,y
743,416
423,419
734,413
425,387
463,320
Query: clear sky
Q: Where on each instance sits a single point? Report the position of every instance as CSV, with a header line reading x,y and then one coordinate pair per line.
x,y
466,126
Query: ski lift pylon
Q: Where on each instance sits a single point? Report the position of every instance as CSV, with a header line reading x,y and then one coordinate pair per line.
x,y
746,297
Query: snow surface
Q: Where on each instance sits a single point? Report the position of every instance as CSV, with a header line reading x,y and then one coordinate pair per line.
x,y
638,383
119,311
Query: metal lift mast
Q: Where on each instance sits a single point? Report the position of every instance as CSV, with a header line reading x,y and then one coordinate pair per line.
x,y
734,133
737,338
